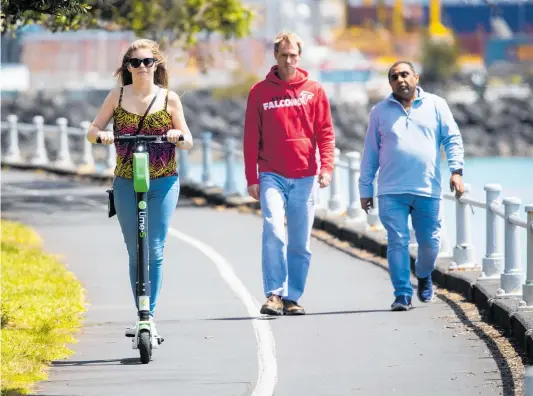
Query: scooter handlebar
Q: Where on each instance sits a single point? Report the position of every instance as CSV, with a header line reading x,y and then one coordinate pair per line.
x,y
140,138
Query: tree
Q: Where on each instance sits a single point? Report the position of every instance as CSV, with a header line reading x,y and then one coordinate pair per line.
x,y
170,22
439,61
55,15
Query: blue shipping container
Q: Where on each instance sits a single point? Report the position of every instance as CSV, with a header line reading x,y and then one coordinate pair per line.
x,y
463,18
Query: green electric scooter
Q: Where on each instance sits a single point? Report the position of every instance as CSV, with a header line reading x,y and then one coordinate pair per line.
x,y
144,340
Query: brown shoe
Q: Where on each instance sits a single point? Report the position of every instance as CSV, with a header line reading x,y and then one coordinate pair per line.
x,y
292,308
273,306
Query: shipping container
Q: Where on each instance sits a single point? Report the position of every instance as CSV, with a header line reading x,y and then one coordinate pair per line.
x,y
513,51
461,18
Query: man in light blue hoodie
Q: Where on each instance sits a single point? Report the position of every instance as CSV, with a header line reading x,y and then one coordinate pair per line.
x,y
403,141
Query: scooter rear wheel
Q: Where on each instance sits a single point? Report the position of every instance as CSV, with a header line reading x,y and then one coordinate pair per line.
x,y
145,346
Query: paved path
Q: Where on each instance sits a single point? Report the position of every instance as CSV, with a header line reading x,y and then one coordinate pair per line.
x,y
215,341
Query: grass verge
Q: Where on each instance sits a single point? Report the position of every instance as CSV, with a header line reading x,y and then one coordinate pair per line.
x,y
41,309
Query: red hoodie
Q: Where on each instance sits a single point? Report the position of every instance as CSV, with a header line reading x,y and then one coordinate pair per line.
x,y
285,123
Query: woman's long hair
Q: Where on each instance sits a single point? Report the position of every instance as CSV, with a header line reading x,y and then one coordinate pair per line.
x,y
160,74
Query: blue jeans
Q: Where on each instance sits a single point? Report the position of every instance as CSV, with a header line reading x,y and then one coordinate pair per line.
x,y
394,210
162,200
286,255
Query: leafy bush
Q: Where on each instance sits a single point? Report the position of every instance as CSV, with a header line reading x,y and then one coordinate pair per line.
x,y
440,61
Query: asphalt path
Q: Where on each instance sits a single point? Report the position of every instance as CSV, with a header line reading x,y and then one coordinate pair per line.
x,y
216,342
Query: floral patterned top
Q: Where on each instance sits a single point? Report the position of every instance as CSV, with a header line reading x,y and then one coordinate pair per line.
x,y
162,156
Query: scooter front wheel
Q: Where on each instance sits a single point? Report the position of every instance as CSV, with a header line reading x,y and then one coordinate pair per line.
x,y
145,346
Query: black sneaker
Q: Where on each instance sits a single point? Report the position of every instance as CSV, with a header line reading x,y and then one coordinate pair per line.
x,y
425,289
401,303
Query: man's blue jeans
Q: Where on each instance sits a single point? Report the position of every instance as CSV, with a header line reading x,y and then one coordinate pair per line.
x,y
162,200
286,255
394,210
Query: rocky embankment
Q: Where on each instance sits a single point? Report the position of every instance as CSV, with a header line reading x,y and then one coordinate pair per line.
x,y
500,128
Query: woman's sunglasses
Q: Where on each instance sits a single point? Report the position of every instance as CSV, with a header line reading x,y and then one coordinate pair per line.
x,y
136,62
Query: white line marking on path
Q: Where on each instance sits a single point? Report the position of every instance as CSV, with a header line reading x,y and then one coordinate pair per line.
x,y
267,376
265,339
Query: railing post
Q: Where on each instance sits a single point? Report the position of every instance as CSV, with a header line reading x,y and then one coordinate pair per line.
x,y
445,249
492,263
334,203
527,288
512,278
230,187
319,202
373,214
87,162
13,151
40,157
63,156
354,211
206,158
111,154
463,252
183,164
111,159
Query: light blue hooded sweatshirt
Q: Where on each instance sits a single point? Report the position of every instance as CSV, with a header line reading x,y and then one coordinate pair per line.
x,y
405,146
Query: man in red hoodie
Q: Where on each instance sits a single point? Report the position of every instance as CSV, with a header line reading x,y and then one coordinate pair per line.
x,y
287,119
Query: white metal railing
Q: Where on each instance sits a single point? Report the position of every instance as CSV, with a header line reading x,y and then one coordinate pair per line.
x,y
501,262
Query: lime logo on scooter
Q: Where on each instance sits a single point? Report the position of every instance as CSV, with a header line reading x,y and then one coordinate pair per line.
x,y
144,303
142,219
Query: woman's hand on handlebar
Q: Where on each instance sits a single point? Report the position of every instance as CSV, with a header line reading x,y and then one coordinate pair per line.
x,y
105,137
173,135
